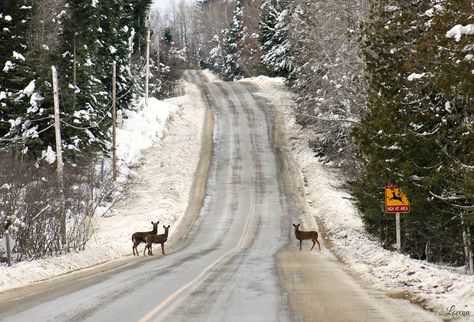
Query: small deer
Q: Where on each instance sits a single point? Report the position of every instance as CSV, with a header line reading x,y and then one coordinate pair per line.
x,y
157,239
140,237
302,235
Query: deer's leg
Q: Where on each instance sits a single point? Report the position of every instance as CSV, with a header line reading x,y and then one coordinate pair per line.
x,y
314,243
144,249
163,248
301,244
134,248
318,244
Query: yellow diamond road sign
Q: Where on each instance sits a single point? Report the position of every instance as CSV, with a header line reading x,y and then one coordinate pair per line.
x,y
395,200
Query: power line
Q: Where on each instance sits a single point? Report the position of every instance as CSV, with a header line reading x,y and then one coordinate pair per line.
x,y
27,137
81,128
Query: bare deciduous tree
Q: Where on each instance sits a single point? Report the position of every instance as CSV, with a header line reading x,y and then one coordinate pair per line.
x,y
29,201
329,73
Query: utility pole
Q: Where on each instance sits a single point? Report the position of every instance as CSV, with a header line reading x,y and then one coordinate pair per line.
x,y
74,77
59,155
158,51
471,257
114,123
7,242
147,60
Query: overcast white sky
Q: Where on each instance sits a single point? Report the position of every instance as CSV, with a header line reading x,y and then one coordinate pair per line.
x,y
163,5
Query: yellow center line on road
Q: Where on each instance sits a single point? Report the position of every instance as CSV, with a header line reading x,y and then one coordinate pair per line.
x,y
163,305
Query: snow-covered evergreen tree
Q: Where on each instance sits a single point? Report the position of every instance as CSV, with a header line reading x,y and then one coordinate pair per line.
x,y
82,91
212,16
82,40
139,11
274,37
232,69
216,59
232,39
17,84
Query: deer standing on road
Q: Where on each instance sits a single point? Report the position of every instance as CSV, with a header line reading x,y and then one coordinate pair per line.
x,y
140,237
302,235
157,239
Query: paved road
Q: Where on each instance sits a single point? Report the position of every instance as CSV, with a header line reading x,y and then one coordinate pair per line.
x,y
239,261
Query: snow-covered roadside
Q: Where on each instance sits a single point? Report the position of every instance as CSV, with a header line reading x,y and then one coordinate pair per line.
x,y
164,138
437,288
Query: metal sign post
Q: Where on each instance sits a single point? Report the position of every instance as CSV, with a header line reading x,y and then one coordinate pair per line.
x,y
397,223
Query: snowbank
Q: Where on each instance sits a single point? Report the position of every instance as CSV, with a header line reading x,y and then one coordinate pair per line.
x,y
457,31
435,287
140,130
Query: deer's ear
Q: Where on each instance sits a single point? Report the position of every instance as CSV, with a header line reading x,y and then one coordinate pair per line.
x,y
294,225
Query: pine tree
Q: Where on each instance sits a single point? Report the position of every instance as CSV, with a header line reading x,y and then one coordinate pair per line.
x,y
82,91
390,152
416,130
14,23
85,39
274,37
29,107
449,77
232,68
114,46
211,19
216,58
139,11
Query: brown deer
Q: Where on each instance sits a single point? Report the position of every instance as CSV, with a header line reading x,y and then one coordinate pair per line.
x,y
140,237
302,235
157,239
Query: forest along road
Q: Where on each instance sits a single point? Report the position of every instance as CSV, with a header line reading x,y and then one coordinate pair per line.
x,y
240,261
